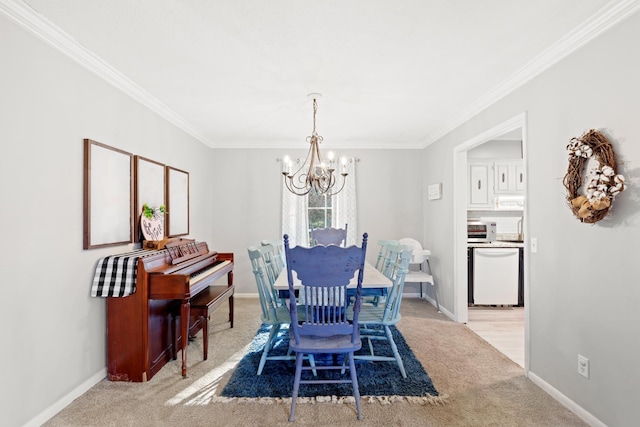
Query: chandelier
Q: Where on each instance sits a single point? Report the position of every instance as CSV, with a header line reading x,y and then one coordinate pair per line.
x,y
314,174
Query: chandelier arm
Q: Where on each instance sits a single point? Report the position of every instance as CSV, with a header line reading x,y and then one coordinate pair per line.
x,y
302,179
344,180
303,163
294,189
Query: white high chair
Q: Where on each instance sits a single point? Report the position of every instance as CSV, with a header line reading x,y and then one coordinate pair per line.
x,y
420,258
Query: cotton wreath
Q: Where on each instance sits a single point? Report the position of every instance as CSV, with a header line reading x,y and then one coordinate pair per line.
x,y
591,202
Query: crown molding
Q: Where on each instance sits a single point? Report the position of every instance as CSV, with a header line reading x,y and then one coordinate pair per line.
x,y
607,17
335,145
25,16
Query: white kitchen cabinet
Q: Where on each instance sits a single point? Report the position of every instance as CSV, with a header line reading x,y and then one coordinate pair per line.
x,y
492,181
509,177
480,195
519,168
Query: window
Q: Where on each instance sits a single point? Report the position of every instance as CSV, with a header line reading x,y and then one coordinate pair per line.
x,y
319,210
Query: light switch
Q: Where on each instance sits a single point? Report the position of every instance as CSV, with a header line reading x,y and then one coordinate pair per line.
x,y
534,245
435,191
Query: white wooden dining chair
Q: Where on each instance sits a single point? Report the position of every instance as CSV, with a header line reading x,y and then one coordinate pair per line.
x,y
421,273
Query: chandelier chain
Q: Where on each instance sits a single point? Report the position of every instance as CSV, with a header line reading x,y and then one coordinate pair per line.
x,y
315,109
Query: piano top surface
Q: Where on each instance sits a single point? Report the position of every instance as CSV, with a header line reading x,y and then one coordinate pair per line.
x,y
186,267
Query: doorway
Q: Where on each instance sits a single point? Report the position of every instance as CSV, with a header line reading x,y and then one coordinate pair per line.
x,y
514,126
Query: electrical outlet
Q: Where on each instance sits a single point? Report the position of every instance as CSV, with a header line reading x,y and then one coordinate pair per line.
x,y
583,366
534,245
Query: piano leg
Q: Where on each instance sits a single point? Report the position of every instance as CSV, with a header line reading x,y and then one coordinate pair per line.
x,y
174,335
184,323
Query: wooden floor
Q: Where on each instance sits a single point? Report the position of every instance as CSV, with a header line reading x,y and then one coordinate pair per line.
x,y
502,327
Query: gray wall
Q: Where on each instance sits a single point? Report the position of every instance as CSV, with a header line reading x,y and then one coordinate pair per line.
x,y
247,199
583,282
53,331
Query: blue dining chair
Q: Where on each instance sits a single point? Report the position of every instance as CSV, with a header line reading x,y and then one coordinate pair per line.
x,y
388,314
383,265
273,251
320,324
274,312
329,236
383,254
272,261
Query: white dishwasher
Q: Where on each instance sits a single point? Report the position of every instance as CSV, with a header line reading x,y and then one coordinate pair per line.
x,y
495,276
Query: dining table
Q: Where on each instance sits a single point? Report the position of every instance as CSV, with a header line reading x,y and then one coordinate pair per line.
x,y
374,283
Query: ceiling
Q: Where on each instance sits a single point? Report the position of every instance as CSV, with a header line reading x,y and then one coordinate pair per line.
x,y
392,74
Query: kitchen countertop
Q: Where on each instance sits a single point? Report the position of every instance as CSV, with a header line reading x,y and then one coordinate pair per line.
x,y
496,244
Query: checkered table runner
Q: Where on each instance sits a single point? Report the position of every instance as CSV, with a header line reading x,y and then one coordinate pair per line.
x,y
115,275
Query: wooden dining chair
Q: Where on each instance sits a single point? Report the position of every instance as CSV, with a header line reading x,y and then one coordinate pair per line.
x,y
383,259
384,316
383,265
273,262
320,324
278,249
274,312
329,236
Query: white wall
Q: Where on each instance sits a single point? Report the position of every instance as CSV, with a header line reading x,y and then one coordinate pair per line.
x,y
583,287
53,331
497,149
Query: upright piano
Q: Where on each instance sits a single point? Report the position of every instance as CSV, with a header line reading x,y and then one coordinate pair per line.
x,y
142,327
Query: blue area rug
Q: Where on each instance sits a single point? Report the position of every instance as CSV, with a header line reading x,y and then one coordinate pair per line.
x,y
381,379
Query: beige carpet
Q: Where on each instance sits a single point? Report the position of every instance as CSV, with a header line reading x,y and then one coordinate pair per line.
x,y
484,387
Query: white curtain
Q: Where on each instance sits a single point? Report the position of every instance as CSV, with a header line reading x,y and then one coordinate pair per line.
x,y
294,217
345,209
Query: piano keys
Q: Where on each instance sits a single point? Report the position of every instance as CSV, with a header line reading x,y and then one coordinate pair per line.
x,y
142,327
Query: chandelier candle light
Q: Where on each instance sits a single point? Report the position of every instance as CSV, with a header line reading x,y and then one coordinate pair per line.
x,y
313,174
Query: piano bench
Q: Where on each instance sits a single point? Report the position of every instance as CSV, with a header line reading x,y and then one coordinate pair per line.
x,y
204,302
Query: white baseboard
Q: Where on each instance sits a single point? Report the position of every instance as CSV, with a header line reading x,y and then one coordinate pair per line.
x,y
62,403
583,414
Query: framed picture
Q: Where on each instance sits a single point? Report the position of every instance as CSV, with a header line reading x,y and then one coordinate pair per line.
x,y
150,183
108,196
177,194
